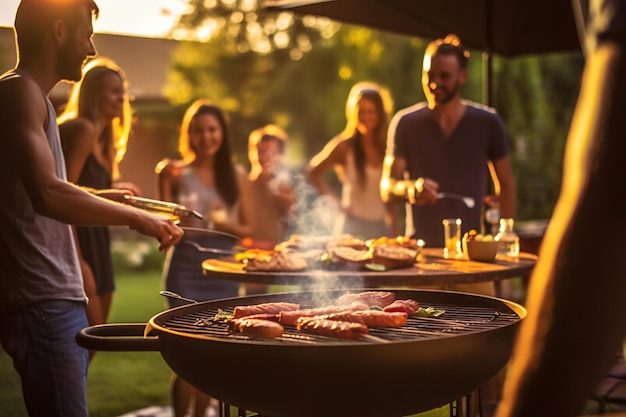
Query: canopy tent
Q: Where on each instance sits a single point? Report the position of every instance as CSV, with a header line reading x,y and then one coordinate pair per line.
x,y
509,28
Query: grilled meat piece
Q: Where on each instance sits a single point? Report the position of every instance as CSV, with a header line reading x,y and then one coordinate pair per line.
x,y
370,318
303,243
394,256
349,257
277,262
331,328
408,306
263,308
371,298
290,318
347,241
257,327
264,316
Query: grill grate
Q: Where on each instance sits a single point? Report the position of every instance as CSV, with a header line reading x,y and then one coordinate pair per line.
x,y
456,320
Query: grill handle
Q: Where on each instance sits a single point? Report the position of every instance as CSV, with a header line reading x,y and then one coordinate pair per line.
x,y
118,338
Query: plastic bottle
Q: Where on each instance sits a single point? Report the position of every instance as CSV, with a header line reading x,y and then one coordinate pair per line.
x,y
508,240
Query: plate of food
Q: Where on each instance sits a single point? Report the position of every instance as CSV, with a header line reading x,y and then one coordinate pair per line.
x,y
303,255
344,261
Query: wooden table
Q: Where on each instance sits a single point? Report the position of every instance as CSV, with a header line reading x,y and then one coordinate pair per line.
x,y
430,269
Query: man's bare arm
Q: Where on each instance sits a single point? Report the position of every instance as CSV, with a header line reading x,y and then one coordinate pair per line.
x,y
51,196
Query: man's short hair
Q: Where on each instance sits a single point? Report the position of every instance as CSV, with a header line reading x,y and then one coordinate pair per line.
x,y
35,17
450,45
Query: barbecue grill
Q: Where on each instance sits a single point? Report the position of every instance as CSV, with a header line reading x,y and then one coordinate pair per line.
x,y
430,362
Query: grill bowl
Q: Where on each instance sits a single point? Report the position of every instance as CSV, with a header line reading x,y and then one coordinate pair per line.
x,y
423,365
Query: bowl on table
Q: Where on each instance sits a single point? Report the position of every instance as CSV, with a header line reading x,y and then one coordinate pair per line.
x,y
480,248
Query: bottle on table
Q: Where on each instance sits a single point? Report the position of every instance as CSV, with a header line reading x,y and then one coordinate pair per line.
x,y
508,240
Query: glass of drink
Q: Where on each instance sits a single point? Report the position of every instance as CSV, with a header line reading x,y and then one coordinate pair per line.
x,y
452,238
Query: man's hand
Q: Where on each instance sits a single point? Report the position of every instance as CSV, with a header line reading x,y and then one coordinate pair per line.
x,y
160,227
129,187
429,193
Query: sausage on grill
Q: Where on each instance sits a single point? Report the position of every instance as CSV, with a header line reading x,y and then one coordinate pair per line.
x,y
409,306
257,328
289,318
370,318
264,308
371,298
331,328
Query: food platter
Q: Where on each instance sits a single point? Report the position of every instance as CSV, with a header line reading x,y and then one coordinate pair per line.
x,y
431,268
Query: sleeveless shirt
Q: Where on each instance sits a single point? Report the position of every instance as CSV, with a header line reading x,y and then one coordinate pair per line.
x,y
38,259
363,198
196,196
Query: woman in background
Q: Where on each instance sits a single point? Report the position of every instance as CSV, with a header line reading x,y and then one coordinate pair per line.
x,y
205,180
357,155
94,128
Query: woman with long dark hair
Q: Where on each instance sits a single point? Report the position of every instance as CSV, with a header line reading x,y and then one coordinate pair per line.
x,y
208,181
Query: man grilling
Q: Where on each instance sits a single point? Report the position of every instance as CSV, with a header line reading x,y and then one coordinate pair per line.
x,y
42,301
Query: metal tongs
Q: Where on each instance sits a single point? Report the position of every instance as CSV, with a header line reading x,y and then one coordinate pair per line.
x,y
161,206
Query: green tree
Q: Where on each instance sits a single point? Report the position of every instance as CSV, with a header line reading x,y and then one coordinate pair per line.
x,y
536,96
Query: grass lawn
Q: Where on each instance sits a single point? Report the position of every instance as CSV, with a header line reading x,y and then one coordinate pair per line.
x,y
118,382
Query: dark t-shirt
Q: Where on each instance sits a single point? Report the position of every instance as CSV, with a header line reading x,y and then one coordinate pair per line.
x,y
458,163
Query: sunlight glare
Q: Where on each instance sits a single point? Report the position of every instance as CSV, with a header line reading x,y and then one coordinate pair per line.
x,y
283,21
247,5
281,40
270,27
376,51
263,46
243,47
204,32
295,54
236,17
345,72
254,31
304,43
359,36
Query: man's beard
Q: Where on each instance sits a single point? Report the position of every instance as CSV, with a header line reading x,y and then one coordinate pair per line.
x,y
70,66
449,95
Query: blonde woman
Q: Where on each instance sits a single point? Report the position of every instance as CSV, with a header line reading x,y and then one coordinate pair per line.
x,y
357,156
94,128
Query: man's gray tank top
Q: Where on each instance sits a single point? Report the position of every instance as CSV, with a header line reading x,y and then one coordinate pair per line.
x,y
38,259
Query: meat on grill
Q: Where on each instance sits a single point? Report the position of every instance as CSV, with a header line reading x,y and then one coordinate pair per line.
x,y
257,327
371,298
408,306
263,308
370,318
331,328
264,316
289,318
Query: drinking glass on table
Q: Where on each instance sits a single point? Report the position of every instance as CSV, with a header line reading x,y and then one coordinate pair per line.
x,y
452,238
